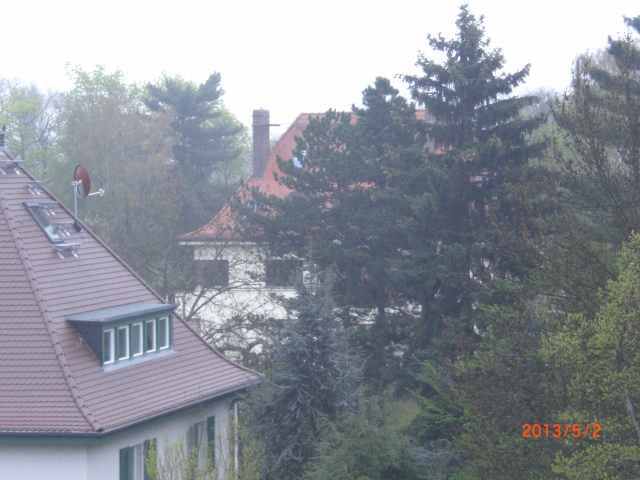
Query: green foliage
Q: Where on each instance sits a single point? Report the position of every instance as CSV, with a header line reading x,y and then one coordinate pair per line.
x,y
173,463
597,362
481,141
206,135
347,216
33,120
440,411
315,378
360,447
592,180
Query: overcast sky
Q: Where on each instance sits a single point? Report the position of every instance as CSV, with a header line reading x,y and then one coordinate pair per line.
x,y
290,56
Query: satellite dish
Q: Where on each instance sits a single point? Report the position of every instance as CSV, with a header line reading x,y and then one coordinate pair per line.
x,y
81,186
82,181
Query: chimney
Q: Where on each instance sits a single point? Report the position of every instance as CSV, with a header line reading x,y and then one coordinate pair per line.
x,y
2,133
260,142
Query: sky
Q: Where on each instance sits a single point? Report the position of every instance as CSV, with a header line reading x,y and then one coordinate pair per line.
x,y
290,56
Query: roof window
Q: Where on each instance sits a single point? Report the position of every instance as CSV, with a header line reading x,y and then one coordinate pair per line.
x,y
40,215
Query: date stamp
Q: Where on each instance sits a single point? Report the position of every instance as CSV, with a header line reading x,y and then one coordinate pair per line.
x,y
556,430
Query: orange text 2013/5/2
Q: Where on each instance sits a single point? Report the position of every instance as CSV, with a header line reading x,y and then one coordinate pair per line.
x,y
557,430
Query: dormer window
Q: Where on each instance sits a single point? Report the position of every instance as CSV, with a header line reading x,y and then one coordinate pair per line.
x,y
163,333
108,346
127,334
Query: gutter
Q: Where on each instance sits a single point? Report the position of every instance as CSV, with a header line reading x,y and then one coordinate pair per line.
x,y
121,429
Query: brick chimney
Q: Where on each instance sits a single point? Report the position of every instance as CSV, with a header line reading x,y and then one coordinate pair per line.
x,y
260,142
2,134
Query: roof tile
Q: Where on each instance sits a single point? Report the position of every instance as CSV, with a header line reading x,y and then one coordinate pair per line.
x,y
52,382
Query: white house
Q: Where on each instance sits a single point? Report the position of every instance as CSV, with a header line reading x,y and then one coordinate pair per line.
x,y
95,369
244,280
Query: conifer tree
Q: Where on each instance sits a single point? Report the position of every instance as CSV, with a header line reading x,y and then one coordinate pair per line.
x,y
315,377
347,214
480,141
205,135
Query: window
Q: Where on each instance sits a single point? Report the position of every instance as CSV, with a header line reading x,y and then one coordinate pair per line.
x,y
134,460
281,273
151,335
123,342
136,339
201,442
108,346
235,411
163,333
43,222
127,334
150,452
195,444
212,273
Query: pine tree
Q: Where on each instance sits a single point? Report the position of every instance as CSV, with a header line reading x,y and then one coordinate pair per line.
x,y
205,135
348,213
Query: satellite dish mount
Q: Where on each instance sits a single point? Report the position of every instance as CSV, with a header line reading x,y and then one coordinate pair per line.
x,y
81,186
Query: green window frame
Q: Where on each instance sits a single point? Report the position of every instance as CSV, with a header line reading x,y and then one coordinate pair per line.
x,y
132,457
120,344
125,463
108,346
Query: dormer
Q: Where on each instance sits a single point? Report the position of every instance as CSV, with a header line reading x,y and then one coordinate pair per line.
x,y
127,334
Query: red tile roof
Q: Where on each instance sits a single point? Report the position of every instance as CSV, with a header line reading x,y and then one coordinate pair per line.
x,y
50,381
223,226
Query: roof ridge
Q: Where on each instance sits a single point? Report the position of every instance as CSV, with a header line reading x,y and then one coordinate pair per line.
x,y
53,336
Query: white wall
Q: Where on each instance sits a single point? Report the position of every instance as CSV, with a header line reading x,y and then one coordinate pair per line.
x,y
247,292
102,461
50,462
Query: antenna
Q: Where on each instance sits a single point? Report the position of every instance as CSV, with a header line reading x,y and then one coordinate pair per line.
x,y
81,186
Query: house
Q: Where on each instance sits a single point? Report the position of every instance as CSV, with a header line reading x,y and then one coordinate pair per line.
x,y
95,368
247,281
244,280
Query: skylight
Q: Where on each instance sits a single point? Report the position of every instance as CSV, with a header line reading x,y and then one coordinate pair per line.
x,y
39,215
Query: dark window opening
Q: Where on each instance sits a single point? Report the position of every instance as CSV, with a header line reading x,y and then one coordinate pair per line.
x,y
281,273
212,273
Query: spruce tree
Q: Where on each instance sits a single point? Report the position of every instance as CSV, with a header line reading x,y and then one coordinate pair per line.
x,y
480,143
315,377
